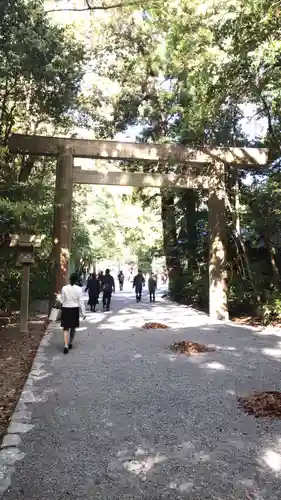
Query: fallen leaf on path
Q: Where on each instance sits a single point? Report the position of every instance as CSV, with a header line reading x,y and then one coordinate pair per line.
x,y
190,348
154,326
262,404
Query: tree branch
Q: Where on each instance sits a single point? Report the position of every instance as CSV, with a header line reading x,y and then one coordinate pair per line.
x,y
93,8
268,116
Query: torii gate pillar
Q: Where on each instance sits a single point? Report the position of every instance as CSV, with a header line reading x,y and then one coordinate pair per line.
x,y
62,218
218,308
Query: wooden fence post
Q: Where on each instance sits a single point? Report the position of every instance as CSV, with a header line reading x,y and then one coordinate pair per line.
x,y
24,301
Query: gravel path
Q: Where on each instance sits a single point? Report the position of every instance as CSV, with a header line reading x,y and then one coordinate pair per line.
x,y
122,417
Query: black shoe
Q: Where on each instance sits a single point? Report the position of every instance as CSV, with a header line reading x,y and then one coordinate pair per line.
x,y
66,350
107,309
70,346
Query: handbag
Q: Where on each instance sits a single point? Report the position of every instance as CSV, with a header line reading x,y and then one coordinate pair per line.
x,y
55,314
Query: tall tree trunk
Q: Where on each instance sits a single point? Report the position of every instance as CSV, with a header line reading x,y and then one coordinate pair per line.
x,y
26,168
170,237
189,198
272,255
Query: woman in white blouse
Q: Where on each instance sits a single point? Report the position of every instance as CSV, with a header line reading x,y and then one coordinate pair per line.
x,y
72,302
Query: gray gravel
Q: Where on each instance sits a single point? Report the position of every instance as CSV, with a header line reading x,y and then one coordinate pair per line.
x,y
122,417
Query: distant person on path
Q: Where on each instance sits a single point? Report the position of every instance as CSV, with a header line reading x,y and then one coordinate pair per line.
x,y
72,302
93,287
101,278
121,278
152,285
108,287
87,281
138,284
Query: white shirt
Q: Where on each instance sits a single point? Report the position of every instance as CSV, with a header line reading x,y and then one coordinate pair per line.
x,y
71,296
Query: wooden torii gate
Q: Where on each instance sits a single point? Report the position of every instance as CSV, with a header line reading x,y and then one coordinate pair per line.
x,y
215,161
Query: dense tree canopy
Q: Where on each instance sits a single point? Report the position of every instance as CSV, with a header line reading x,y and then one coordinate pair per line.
x,y
183,72
41,68
186,73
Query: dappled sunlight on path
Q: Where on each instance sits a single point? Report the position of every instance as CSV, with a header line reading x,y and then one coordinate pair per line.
x,y
123,417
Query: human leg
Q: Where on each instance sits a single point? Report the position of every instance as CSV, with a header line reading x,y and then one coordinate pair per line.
x,y
66,340
71,337
64,325
108,301
70,321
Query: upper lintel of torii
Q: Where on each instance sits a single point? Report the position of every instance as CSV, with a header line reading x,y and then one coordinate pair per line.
x,y
157,153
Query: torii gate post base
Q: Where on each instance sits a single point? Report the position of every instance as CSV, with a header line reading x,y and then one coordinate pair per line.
x,y
218,308
62,219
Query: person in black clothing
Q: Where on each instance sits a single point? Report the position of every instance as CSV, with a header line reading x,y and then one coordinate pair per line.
x,y
138,283
101,278
93,287
108,287
151,287
121,278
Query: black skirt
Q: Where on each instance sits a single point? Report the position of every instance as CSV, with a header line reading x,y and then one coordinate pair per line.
x,y
70,317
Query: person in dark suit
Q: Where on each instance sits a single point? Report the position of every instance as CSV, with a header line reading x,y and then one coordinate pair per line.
x,y
138,284
152,287
93,288
108,287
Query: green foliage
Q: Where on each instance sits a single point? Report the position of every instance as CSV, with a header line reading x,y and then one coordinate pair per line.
x,y
181,73
271,309
41,68
119,228
186,73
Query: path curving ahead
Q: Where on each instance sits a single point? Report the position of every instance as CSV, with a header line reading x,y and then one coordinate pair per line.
x,y
122,417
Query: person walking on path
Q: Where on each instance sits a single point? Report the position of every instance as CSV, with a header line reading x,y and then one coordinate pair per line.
x,y
101,278
93,288
108,287
152,284
87,282
72,302
121,278
138,283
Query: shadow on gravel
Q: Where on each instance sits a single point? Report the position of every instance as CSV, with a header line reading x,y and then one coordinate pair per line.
x,y
130,419
226,454
147,465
